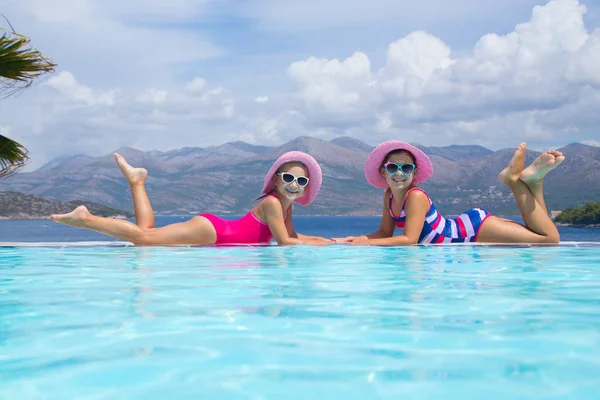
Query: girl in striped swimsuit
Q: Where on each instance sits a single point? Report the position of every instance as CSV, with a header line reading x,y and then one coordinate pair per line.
x,y
397,167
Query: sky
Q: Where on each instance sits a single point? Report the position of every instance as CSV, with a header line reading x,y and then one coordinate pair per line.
x,y
161,75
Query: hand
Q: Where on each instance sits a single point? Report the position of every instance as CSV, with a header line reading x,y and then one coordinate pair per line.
x,y
361,240
318,241
349,239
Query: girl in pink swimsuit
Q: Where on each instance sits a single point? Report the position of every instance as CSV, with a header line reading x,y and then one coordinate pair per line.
x,y
294,177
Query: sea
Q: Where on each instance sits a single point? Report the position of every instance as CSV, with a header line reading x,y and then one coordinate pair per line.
x,y
326,226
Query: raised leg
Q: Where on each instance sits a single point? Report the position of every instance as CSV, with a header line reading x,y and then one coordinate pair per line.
x,y
533,176
500,230
196,231
537,222
144,216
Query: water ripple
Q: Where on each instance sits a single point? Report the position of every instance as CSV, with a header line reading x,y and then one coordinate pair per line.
x,y
300,322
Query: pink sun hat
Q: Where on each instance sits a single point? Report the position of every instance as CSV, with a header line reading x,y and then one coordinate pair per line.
x,y
314,175
375,162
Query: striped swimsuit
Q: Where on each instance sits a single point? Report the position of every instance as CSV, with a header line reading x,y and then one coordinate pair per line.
x,y
438,230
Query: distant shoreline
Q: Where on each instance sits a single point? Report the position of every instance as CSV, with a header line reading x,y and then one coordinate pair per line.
x,y
41,218
565,225
224,216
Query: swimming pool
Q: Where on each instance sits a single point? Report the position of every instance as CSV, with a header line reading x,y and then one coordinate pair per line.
x,y
339,322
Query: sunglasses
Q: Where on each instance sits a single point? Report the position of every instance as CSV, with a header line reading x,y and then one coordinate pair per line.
x,y
392,168
288,179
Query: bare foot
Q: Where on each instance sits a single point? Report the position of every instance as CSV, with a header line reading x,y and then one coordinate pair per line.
x,y
133,175
77,217
512,172
538,169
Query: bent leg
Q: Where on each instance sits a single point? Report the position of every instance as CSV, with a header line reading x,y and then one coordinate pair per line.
x,y
499,230
533,176
534,215
144,216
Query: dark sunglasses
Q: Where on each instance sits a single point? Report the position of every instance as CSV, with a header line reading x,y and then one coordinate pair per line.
x,y
288,178
392,168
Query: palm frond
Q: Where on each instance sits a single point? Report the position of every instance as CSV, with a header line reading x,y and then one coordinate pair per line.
x,y
20,64
13,156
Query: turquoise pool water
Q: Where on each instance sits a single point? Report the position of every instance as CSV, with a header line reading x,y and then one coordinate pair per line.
x,y
338,322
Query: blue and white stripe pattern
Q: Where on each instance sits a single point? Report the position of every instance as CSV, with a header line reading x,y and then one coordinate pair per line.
x,y
438,230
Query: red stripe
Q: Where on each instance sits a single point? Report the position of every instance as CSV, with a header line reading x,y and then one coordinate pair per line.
x,y
461,228
436,223
440,239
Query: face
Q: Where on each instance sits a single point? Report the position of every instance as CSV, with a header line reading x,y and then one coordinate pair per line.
x,y
399,180
291,190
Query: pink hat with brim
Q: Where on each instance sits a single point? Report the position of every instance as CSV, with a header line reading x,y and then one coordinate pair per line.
x,y
314,175
375,162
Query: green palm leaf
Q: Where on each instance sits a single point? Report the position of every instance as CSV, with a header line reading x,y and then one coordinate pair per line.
x,y
19,63
12,156
19,66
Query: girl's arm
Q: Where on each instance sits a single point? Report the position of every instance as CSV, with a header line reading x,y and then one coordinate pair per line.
x,y
417,205
386,226
289,224
273,214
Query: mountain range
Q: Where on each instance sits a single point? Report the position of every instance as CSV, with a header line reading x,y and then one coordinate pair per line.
x,y
224,179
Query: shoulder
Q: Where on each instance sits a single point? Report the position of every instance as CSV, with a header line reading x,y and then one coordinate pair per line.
x,y
270,201
271,204
417,197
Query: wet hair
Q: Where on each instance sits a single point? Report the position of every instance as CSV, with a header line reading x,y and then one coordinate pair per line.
x,y
401,151
293,163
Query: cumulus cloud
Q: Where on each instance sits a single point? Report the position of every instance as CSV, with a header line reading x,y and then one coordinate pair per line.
x,y
595,143
527,77
152,96
338,86
196,85
68,86
138,85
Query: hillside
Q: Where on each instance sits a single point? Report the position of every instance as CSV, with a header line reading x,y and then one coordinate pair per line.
x,y
223,179
22,206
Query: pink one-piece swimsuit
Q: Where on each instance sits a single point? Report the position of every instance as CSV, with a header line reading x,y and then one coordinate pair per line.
x,y
246,230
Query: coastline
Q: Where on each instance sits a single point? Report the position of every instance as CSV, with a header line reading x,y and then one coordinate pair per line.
x,y
28,217
44,217
568,225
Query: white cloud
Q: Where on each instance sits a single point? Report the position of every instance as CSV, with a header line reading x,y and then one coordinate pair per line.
x,y
197,85
66,84
131,79
595,143
152,96
336,86
527,77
